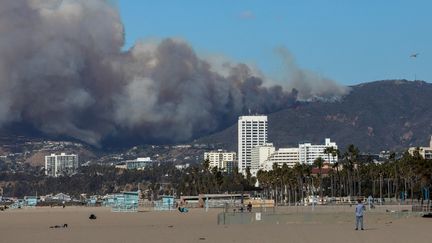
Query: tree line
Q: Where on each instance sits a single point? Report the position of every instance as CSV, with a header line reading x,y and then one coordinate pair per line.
x,y
407,177
404,178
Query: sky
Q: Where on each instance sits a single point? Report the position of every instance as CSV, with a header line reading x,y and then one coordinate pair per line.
x,y
346,40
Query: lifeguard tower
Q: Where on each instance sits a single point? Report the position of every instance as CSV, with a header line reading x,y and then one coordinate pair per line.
x,y
125,202
166,204
30,201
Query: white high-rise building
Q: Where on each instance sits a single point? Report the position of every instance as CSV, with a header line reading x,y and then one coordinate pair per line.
x,y
309,152
220,158
62,164
260,154
252,132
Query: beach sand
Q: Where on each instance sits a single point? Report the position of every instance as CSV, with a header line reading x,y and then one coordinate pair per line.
x,y
32,225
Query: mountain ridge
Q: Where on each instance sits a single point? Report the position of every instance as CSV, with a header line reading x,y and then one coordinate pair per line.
x,y
375,116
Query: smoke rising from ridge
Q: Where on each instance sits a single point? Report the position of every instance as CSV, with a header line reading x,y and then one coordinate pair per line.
x,y
310,85
62,69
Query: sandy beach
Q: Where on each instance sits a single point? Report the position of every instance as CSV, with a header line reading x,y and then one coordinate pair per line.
x,y
32,225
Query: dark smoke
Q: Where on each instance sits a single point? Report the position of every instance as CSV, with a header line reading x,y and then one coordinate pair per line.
x,y
63,71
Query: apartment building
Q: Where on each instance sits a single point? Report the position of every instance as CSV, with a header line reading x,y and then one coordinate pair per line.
x,y
62,164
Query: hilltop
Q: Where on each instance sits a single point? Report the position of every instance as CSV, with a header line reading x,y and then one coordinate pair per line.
x,y
375,116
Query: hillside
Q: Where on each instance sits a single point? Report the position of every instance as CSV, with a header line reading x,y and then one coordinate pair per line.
x,y
381,115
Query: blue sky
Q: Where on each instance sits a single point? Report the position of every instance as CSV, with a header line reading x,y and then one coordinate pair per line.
x,y
349,41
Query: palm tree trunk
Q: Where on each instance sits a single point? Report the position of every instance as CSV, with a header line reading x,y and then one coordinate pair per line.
x,y
301,190
412,190
338,185
388,188
359,187
332,183
321,189
350,182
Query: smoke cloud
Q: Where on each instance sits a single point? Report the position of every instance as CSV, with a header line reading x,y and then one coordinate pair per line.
x,y
62,69
310,86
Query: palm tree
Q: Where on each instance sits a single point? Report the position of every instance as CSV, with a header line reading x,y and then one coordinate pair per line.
x,y
423,170
206,165
319,162
275,177
328,151
350,160
263,179
286,175
299,174
407,172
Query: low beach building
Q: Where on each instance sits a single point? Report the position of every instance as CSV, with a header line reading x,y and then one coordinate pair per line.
x,y
30,201
165,204
126,201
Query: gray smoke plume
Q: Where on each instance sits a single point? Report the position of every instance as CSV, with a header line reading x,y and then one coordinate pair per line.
x,y
63,71
310,86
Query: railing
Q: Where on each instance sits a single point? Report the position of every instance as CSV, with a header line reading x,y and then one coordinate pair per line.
x,y
425,208
306,214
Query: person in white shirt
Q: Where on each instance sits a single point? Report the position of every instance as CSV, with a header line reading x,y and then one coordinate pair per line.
x,y
359,209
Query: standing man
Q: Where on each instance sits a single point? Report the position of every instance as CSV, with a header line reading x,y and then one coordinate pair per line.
x,y
359,209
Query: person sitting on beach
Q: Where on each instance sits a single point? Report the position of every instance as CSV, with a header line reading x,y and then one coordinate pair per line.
x,y
249,207
359,209
59,226
183,210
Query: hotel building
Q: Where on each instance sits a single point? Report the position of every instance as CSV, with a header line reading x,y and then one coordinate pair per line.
x,y
288,156
425,152
309,152
252,132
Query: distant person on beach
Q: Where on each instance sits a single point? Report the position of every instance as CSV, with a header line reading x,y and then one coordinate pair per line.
x,y
59,226
183,210
359,209
370,202
249,207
